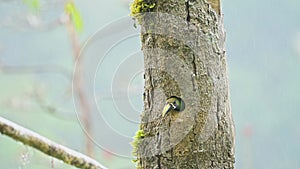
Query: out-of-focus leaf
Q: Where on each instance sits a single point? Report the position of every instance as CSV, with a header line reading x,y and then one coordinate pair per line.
x,y
33,4
71,9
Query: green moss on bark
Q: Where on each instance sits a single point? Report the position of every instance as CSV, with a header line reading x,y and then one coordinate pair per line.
x,y
138,7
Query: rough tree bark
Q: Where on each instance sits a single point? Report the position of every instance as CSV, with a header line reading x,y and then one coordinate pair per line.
x,y
183,46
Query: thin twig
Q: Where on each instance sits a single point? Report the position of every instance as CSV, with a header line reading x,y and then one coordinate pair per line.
x,y
78,86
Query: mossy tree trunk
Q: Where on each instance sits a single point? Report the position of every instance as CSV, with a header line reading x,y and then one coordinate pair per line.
x,y
183,46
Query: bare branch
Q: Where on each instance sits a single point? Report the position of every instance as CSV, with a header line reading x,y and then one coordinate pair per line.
x,y
47,146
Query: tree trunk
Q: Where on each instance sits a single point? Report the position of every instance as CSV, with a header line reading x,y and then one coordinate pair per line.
x,y
183,46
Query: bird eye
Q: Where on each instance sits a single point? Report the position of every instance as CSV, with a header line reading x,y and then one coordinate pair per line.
x,y
173,105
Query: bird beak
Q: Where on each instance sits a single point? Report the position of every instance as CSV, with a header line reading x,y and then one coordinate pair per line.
x,y
167,108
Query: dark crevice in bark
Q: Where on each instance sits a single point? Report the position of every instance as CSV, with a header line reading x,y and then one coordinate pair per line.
x,y
158,161
194,72
187,8
218,113
158,143
172,154
150,92
218,106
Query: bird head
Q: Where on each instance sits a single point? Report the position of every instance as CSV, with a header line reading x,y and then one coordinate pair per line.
x,y
173,103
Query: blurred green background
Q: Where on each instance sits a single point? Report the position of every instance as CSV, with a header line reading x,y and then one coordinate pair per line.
x,y
36,66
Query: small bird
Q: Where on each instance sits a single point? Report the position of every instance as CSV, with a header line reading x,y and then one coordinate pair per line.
x,y
173,103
